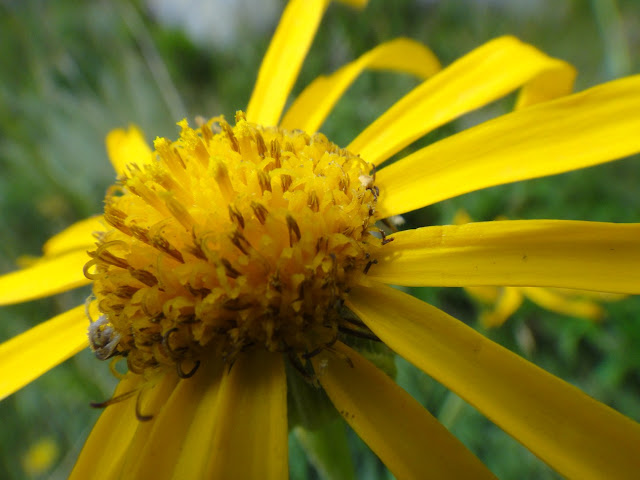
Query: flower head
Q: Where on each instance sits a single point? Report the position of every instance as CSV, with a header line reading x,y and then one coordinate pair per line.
x,y
233,238
238,249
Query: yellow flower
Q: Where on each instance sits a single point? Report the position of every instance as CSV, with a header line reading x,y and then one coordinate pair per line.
x,y
235,249
504,301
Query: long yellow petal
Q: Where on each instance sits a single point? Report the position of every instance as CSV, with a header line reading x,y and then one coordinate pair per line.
x,y
127,146
576,435
546,253
250,438
76,236
194,442
36,351
408,440
182,431
46,277
595,126
282,62
486,74
153,402
104,451
313,105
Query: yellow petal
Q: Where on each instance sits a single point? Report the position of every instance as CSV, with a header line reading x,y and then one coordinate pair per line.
x,y
508,302
549,253
36,351
152,402
311,107
408,440
48,276
282,62
104,451
182,431
127,146
482,76
194,440
595,126
77,236
577,307
250,438
576,435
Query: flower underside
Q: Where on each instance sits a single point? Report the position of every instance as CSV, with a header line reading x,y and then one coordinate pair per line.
x,y
232,238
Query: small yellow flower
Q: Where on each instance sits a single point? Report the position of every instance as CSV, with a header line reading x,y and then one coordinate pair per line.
x,y
236,249
40,457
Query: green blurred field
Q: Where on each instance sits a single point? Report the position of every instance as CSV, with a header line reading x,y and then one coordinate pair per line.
x,y
70,71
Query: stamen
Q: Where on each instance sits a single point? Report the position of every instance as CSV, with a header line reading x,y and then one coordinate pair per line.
x,y
292,225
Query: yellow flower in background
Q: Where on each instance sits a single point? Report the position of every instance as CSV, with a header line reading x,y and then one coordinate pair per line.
x,y
236,249
504,301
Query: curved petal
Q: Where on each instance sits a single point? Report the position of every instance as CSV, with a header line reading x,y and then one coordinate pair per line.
x,y
76,236
127,146
282,62
36,351
595,126
482,76
250,439
568,305
48,276
153,397
103,452
195,446
596,256
408,440
313,105
182,431
576,435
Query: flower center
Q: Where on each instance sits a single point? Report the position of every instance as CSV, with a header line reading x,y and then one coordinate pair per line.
x,y
232,238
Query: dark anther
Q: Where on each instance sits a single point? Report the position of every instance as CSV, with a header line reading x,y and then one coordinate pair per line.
x,y
188,374
240,242
369,264
274,151
262,148
236,216
293,229
286,182
260,212
229,270
232,138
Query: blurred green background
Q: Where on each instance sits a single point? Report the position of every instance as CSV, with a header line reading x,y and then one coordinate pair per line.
x,y
71,71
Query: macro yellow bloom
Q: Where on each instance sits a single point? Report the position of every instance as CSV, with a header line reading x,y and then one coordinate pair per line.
x,y
247,245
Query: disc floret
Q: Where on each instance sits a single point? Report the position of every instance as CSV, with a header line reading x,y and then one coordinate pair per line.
x,y
232,238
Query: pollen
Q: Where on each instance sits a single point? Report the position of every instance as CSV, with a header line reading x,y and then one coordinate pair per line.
x,y
232,238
